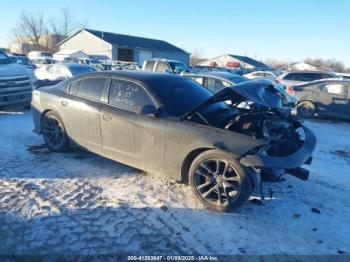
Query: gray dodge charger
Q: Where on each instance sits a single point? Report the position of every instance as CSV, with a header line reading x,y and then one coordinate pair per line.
x,y
223,145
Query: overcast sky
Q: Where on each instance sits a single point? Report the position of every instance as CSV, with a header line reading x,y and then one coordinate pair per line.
x,y
282,30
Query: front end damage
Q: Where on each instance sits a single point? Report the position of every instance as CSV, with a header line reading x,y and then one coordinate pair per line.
x,y
284,156
261,111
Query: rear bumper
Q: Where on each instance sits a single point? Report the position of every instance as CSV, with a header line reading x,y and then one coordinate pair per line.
x,y
294,160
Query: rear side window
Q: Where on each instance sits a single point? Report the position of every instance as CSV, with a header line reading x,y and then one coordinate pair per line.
x,y
306,77
323,76
91,88
128,95
336,89
149,65
73,87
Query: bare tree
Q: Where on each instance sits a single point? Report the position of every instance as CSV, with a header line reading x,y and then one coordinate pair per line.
x,y
196,57
329,64
30,26
67,20
63,25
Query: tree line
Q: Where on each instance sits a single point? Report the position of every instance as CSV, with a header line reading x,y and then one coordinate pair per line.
x,y
34,26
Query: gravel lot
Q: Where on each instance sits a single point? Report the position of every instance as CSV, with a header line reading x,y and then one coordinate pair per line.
x,y
80,203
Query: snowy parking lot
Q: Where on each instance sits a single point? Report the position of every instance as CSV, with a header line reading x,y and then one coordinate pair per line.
x,y
80,203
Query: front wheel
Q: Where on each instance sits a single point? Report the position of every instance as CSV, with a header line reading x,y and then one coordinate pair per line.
x,y
54,132
219,181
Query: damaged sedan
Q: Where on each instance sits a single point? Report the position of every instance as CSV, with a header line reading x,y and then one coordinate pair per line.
x,y
171,126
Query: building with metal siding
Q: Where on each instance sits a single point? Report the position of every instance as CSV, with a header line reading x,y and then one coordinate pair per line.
x,y
122,47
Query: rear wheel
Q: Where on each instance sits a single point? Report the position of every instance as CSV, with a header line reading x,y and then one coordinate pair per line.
x,y
54,132
306,109
219,181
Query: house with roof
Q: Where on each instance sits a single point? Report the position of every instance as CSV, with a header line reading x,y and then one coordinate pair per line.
x,y
234,61
122,47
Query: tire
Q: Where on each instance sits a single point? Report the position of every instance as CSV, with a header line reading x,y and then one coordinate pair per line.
x,y
306,109
216,188
54,132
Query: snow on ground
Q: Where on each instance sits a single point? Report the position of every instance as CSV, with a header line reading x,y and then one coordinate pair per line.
x,y
80,203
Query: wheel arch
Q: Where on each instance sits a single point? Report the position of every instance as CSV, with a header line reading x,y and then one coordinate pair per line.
x,y
44,113
186,164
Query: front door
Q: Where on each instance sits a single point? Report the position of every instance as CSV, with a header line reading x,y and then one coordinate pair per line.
x,y
128,136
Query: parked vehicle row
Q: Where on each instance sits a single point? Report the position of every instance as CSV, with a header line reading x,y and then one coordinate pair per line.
x,y
172,126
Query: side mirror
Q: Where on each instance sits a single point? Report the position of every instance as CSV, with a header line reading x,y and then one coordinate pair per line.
x,y
146,110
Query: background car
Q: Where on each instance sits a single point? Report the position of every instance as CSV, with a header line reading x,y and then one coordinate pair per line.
x,y
62,71
16,83
323,97
255,74
292,78
22,60
164,66
216,81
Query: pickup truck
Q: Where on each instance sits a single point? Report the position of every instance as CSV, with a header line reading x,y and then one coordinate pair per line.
x,y
16,83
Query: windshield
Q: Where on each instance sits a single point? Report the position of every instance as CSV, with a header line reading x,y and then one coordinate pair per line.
x,y
77,70
4,59
181,95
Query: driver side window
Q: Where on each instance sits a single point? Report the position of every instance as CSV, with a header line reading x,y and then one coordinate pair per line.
x,y
128,95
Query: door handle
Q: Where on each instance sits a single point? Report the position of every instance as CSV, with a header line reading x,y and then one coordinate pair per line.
x,y
106,117
64,102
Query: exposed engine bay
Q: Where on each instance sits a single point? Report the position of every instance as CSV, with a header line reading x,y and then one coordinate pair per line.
x,y
265,113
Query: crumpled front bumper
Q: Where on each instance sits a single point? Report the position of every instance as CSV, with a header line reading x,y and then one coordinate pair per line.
x,y
291,161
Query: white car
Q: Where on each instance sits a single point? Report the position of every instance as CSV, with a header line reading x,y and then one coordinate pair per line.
x,y
61,71
265,74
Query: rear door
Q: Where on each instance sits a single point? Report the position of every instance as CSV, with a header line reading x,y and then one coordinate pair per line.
x,y
81,108
130,137
333,99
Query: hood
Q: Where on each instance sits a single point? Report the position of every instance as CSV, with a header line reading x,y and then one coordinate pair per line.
x,y
260,92
8,70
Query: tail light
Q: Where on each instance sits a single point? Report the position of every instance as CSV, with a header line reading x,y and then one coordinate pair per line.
x,y
277,80
290,90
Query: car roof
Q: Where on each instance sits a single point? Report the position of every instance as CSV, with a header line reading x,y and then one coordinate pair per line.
x,y
224,75
164,60
326,81
260,71
141,76
74,65
309,71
